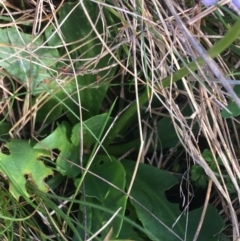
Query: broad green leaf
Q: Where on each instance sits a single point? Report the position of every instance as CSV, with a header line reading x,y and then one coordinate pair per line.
x,y
24,162
167,133
110,172
232,108
69,154
80,228
52,37
91,47
91,129
127,231
4,129
149,190
24,58
233,111
51,109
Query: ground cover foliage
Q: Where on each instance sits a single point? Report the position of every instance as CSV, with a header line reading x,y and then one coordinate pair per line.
x,y
119,120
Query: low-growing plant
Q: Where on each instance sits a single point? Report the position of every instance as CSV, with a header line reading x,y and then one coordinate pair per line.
x,y
96,119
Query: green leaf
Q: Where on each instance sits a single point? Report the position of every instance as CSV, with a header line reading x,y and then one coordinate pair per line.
x,y
50,111
24,61
91,129
111,172
4,129
233,111
167,133
208,157
127,231
149,190
23,161
232,108
80,228
52,38
69,154
196,172
91,47
198,175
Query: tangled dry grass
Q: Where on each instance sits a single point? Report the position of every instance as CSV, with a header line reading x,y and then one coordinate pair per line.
x,y
162,37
